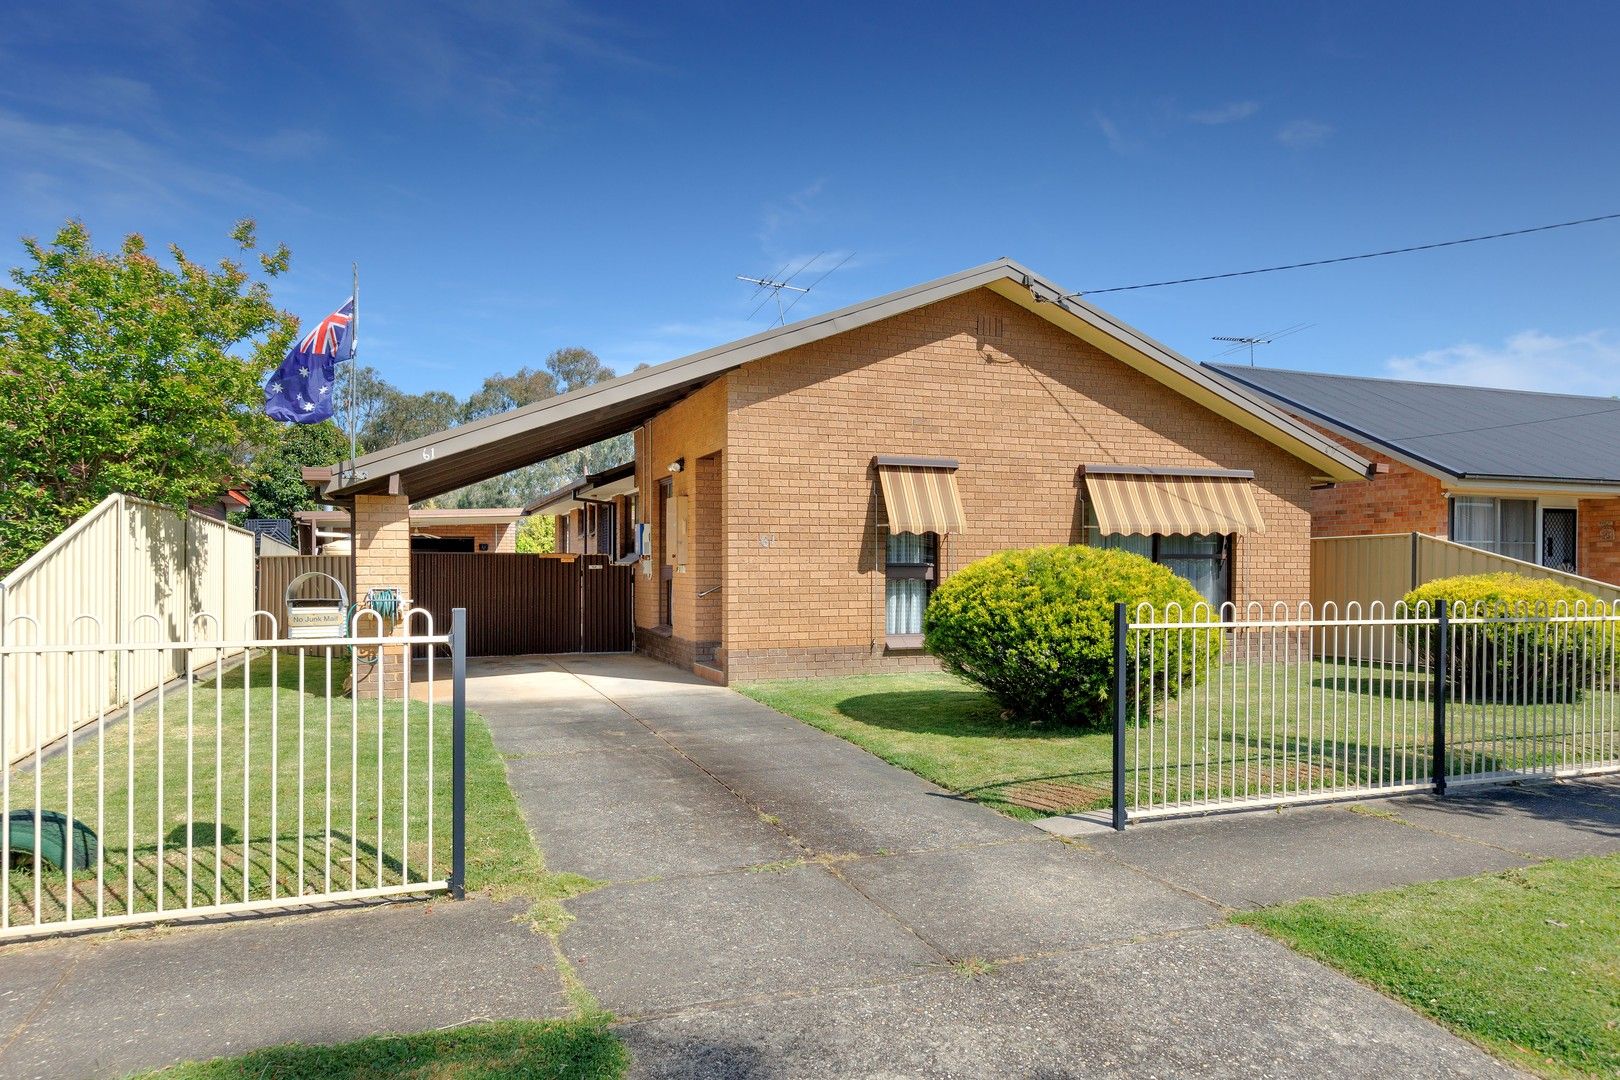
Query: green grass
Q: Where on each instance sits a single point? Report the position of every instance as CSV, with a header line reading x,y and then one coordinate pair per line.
x,y
1245,732
580,1047
263,840
947,732
1526,963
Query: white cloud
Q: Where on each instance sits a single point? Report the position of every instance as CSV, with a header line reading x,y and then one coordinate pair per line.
x,y
1229,113
1530,360
1118,142
1299,133
79,163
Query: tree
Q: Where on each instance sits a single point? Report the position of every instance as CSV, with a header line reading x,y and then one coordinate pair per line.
x,y
537,535
121,373
501,393
399,417
575,368
276,487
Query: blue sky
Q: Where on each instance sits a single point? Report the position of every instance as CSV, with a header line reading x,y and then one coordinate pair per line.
x,y
517,177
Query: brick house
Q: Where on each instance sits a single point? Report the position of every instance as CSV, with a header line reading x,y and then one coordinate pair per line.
x,y
1532,476
486,530
796,495
596,515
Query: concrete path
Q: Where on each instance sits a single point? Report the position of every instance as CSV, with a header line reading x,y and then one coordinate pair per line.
x,y
783,904
110,1004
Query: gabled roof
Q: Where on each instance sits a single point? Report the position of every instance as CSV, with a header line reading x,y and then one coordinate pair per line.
x,y
1466,433
464,455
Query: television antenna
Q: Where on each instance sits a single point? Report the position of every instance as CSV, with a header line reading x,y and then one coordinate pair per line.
x,y
1240,343
774,286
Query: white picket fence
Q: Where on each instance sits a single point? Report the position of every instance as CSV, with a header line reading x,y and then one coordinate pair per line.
x,y
129,570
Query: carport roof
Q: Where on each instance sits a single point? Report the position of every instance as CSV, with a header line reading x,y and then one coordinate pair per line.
x,y
498,444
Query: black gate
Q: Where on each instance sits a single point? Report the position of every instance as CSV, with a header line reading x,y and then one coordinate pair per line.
x,y
519,604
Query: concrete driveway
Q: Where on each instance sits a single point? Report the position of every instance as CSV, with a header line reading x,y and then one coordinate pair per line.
x,y
782,904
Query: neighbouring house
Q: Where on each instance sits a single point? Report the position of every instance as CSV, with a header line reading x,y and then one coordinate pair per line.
x,y
481,530
805,489
1531,476
596,515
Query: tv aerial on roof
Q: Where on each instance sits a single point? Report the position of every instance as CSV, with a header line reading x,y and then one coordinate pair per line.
x,y
772,288
1240,343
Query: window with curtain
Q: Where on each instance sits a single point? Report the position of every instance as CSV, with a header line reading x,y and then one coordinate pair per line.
x,y
1504,526
911,567
1203,559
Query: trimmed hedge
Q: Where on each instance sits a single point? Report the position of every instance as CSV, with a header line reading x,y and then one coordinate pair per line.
x,y
1523,658
1035,629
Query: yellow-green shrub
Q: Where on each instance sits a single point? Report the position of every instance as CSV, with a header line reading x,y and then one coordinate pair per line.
x,y
1035,629
1517,654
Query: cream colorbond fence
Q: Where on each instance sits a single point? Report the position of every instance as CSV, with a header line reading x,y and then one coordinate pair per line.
x,y
1366,576
129,570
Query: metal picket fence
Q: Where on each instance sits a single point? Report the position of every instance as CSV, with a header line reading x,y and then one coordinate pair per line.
x,y
1250,708
253,781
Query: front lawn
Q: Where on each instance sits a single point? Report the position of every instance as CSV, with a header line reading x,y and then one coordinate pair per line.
x,y
1248,731
1526,963
951,733
580,1048
244,838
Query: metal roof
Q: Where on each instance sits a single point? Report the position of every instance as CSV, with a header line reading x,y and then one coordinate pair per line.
x,y
572,495
1469,433
497,444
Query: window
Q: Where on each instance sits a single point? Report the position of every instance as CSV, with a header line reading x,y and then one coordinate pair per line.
x,y
911,567
606,530
1504,526
1203,559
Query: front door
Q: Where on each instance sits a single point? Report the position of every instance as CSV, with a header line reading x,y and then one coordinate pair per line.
x,y
1558,540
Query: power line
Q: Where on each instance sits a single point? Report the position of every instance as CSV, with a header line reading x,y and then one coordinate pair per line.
x,y
1346,258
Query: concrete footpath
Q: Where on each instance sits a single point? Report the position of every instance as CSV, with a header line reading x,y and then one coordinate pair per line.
x,y
781,904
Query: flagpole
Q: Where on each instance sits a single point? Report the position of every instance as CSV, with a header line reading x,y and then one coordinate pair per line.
x,y
354,362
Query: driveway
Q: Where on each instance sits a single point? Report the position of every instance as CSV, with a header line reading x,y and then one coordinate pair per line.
x,y
780,903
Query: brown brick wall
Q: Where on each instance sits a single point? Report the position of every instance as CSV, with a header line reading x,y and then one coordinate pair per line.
x,y
382,559
692,429
500,538
1598,543
1403,499
804,584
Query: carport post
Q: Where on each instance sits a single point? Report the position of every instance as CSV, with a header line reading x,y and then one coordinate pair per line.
x,y
458,753
1119,716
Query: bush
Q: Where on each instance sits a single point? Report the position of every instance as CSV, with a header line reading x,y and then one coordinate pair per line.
x,y
1518,655
1035,629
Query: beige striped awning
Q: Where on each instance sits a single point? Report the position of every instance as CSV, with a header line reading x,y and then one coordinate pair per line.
x,y
920,494
1172,502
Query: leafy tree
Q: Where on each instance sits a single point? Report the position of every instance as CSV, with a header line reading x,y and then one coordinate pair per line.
x,y
574,368
400,417
537,535
119,372
276,487
501,393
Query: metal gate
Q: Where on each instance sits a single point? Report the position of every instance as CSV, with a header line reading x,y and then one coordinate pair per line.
x,y
251,782
521,604
1253,708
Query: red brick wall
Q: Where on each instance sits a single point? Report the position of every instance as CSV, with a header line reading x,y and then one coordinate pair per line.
x,y
1403,499
1598,543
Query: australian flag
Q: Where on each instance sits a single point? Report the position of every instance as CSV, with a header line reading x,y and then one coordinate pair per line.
x,y
300,390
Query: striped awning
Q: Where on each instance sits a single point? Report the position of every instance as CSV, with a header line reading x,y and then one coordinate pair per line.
x,y
1172,502
920,495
